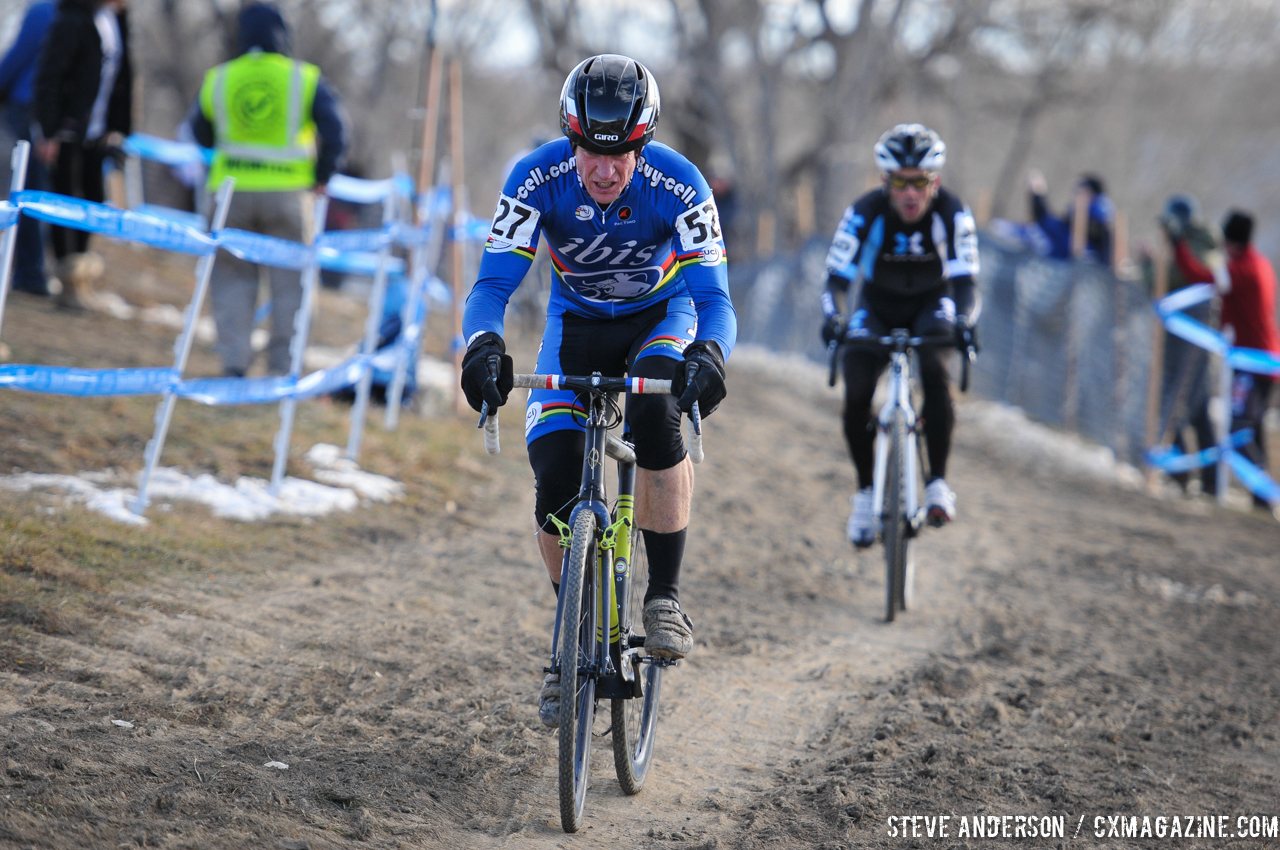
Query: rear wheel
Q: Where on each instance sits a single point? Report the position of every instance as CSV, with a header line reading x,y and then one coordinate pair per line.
x,y
635,720
894,522
577,681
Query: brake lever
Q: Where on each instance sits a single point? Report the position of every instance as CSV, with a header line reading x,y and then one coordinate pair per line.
x,y
695,416
489,418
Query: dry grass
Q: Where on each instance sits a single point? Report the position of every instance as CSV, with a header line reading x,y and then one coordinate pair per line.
x,y
63,566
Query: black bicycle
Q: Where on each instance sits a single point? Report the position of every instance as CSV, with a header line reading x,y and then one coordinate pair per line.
x,y
596,647
899,474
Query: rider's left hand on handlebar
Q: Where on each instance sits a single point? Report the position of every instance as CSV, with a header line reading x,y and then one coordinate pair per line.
x,y
966,334
706,386
475,372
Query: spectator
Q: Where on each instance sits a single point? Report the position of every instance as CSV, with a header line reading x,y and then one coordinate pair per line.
x,y
1184,384
1248,318
1090,193
84,108
17,90
276,128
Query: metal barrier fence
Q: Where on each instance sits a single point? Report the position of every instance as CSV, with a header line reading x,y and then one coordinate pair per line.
x,y
1067,342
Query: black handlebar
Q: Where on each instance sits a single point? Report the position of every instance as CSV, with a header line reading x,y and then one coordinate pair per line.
x,y
900,340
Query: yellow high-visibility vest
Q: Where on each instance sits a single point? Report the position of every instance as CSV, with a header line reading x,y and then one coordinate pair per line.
x,y
260,108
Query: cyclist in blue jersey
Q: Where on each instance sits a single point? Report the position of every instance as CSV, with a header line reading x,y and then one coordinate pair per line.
x,y
913,247
639,285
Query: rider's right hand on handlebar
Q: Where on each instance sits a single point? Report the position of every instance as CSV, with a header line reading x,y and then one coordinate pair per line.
x,y
833,329
478,383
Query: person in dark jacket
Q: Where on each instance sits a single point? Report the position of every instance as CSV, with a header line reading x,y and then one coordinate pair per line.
x,y
17,90
1090,195
83,108
277,130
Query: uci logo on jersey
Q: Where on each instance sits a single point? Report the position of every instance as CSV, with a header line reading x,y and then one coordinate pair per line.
x,y
604,137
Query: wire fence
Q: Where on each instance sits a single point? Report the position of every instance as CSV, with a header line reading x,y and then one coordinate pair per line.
x,y
1069,343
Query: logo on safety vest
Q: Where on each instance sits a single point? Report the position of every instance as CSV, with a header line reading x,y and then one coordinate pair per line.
x,y
257,105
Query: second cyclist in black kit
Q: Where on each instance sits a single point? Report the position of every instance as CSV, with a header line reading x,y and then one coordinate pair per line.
x,y
913,247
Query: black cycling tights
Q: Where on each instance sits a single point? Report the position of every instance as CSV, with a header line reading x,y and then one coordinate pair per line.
x,y
861,372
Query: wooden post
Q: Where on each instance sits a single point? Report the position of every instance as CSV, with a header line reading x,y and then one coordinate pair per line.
x,y
982,207
1080,223
1120,244
430,123
806,217
456,246
766,227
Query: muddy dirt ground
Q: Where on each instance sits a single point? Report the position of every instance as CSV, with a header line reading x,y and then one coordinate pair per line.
x,y
1078,650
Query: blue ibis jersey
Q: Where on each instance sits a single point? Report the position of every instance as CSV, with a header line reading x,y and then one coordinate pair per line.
x,y
658,241
904,260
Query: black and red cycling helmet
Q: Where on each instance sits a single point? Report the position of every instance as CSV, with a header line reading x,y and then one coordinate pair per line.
x,y
609,104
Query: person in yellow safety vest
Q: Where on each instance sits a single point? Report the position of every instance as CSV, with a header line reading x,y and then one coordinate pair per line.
x,y
277,129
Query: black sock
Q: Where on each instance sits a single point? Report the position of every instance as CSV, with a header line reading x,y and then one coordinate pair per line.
x,y
665,551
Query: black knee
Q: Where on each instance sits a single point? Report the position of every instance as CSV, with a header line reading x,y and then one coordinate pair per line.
x,y
556,459
654,420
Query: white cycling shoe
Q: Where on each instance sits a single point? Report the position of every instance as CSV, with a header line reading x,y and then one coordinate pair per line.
x,y
862,519
940,503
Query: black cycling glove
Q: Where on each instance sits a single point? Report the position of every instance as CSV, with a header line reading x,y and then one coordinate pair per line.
x,y
475,372
707,384
833,329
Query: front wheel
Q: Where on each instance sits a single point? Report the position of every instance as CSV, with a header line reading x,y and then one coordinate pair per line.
x,y
894,522
636,719
577,679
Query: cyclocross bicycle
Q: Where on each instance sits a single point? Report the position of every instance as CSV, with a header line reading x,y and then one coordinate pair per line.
x,y
898,475
595,645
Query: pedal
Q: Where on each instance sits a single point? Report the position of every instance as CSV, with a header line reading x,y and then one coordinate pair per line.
x,y
937,518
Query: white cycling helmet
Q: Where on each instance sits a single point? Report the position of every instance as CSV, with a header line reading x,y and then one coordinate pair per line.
x,y
911,146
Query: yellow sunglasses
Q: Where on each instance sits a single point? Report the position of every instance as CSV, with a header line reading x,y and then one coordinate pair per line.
x,y
921,181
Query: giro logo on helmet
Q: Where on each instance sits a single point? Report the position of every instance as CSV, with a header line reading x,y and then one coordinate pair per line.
x,y
603,137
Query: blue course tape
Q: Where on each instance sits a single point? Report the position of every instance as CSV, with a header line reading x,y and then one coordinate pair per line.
x,y
63,380
274,388
121,224
1254,360
356,240
8,215
1196,333
1187,296
411,236
473,229
359,191
265,250
357,262
1253,478
1171,460
191,219
66,380
166,151
215,391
